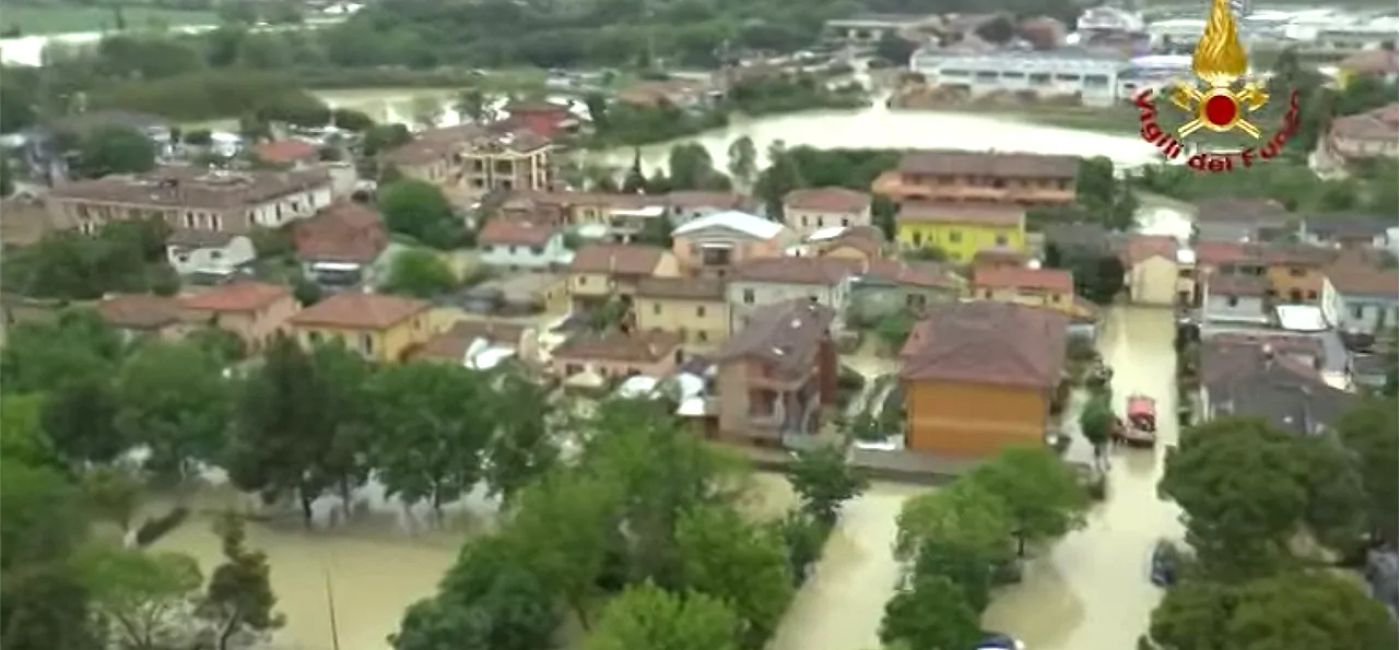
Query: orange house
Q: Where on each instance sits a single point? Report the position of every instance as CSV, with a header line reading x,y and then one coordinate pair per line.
x,y
253,311
979,377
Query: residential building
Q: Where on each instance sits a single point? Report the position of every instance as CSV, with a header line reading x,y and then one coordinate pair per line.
x,y
339,246
1089,77
1152,271
886,288
941,175
617,355
380,327
208,253
141,315
689,205
1295,272
809,210
191,199
864,243
979,377
961,230
715,244
1352,138
1252,379
287,153
1347,231
542,118
761,282
601,271
253,311
479,345
520,294
774,375
696,310
1053,288
521,245
1359,296
1242,220
1238,299
470,160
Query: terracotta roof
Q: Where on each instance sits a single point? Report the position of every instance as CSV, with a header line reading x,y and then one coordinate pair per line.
x,y
1216,253
452,345
1357,278
827,199
704,199
1004,165
1024,278
512,232
987,343
359,311
199,238
343,232
681,288
236,297
918,274
797,270
999,256
1142,247
139,311
617,259
188,187
785,335
1238,285
1378,124
1380,61
993,214
285,151
1233,210
642,347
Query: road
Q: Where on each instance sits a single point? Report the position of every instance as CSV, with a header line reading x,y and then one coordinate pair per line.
x,y
1090,590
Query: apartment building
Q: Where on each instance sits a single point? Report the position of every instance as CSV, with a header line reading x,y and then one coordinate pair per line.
x,y
1027,179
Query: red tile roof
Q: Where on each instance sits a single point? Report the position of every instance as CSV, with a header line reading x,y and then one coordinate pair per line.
x,y
359,311
285,151
342,232
1379,124
1024,278
827,199
987,343
644,347
1355,277
991,214
975,163
1142,247
1216,253
512,232
797,270
139,311
617,259
237,297
452,345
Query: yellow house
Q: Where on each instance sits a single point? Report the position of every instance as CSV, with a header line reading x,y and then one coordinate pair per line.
x,y
1053,288
602,271
382,328
692,308
961,229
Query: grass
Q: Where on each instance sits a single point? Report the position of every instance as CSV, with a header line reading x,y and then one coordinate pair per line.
x,y
56,19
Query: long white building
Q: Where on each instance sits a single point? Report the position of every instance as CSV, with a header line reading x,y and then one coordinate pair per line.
x,y
1093,77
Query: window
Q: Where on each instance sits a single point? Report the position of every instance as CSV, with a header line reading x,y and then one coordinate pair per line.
x,y
1096,81
845,221
512,250
954,236
985,76
486,248
1040,78
987,294
1184,273
537,250
572,369
748,296
1297,272
1312,295
183,258
582,280
1001,240
700,311
918,239
216,255
915,300
702,336
812,299
656,309
1073,78
804,221
1232,301
821,222
1358,311
1055,298
314,337
367,343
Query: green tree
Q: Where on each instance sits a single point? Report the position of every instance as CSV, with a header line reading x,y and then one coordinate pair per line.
x,y
743,160
895,49
1370,433
383,137
1096,423
80,419
597,104
521,448
690,166
473,104
112,494
1193,616
647,618
351,120
419,209
420,273
966,514
115,150
780,177
824,481
968,568
931,613
22,439
141,596
238,12
239,595
742,565
43,356
1094,185
174,400
635,181
1041,493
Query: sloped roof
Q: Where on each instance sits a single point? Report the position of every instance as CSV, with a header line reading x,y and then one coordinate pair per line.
x,y
753,226
1358,278
797,270
1378,124
641,347
827,199
1256,378
1004,165
189,187
343,231
139,311
992,214
1140,248
237,297
285,151
617,259
512,232
452,345
1215,253
785,335
199,238
354,310
683,288
989,343
1024,278
1236,210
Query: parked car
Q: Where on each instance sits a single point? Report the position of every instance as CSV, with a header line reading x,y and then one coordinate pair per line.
x,y
999,641
1165,561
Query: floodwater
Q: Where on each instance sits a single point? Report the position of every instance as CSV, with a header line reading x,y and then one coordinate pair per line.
x,y
1091,589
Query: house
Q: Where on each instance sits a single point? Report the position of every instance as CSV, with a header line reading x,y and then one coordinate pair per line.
x,y
960,230
1084,76
979,377
1022,178
865,243
253,311
808,210
208,253
480,345
1295,272
887,287
139,315
193,199
696,310
287,153
1359,297
715,244
1352,138
542,118
519,294
1249,379
1238,299
617,355
774,376
380,327
517,245
340,245
1052,288
601,271
1152,270
470,160
1241,220
689,205
999,258
1347,231
761,282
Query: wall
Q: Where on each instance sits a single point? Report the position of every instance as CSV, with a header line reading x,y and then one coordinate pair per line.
x,y
515,256
1246,308
1287,279
1153,281
215,259
688,248
871,301
806,222
663,367
255,328
682,316
1029,297
767,293
961,241
386,346
972,420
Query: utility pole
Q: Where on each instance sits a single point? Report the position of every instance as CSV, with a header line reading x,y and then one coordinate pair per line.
x,y
330,604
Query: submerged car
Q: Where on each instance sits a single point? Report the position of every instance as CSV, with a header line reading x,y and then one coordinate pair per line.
x,y
1165,559
999,641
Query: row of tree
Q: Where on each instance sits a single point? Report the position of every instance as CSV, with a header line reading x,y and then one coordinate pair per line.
x,y
963,540
1269,515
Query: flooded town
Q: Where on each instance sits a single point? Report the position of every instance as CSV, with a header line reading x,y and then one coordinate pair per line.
x,y
681,324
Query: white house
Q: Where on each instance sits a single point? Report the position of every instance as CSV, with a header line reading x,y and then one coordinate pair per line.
x,y
808,210
1234,299
522,245
767,281
207,252
1359,298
